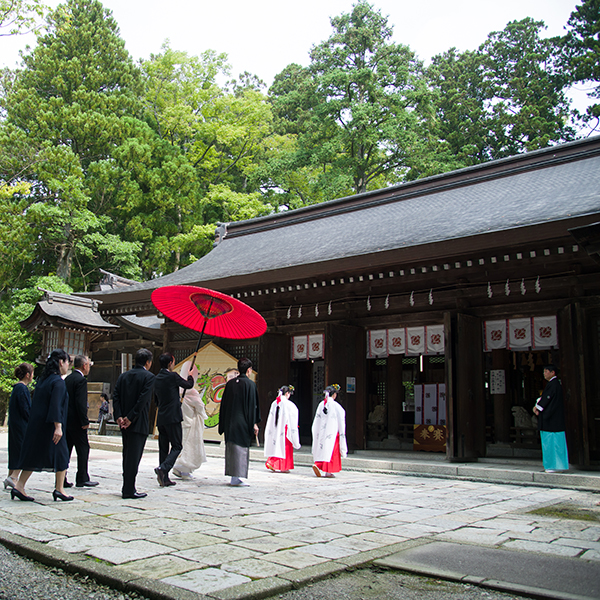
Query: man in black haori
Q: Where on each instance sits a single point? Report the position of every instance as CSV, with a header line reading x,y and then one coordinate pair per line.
x,y
238,421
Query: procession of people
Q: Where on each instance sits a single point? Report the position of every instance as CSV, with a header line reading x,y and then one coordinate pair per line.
x,y
44,431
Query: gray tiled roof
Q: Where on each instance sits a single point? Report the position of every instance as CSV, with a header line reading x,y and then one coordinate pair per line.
x,y
80,312
78,315
499,202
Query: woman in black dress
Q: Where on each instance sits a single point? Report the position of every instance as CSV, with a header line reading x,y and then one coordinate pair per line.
x,y
18,415
44,445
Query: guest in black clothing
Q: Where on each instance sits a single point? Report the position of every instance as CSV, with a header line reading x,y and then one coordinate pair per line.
x,y
131,405
170,416
238,422
77,420
18,415
104,409
44,445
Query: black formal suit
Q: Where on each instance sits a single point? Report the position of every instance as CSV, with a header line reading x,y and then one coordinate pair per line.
x,y
131,399
77,419
168,420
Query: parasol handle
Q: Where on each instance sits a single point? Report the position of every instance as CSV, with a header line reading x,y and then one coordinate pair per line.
x,y
198,344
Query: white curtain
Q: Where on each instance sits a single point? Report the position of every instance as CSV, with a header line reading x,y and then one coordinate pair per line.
x,y
315,346
415,340
397,341
545,333
300,347
519,334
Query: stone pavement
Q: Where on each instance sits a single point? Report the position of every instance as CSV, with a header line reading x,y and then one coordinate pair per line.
x,y
205,538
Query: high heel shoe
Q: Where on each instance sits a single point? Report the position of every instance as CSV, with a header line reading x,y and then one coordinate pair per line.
x,y
9,482
58,496
15,493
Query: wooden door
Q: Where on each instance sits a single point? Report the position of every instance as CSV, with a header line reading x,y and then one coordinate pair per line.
x,y
345,356
465,388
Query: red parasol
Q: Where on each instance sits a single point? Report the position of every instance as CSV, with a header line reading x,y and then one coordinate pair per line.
x,y
209,311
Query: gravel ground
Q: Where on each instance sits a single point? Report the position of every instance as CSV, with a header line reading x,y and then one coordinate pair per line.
x,y
24,579
379,584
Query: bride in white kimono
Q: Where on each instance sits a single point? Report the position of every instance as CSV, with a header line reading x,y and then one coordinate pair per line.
x,y
194,415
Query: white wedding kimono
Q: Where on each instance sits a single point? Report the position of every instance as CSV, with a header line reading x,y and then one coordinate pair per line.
x,y
325,429
194,415
275,435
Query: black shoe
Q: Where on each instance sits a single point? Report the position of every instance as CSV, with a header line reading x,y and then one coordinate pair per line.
x,y
168,482
160,476
135,496
87,484
15,493
58,496
67,484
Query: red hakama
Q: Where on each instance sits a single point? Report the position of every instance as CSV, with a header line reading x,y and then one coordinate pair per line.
x,y
335,464
283,464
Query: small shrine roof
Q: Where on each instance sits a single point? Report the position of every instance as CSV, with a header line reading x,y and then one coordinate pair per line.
x,y
67,310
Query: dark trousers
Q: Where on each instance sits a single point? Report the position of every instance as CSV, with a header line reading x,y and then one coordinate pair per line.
x,y
78,438
169,445
133,448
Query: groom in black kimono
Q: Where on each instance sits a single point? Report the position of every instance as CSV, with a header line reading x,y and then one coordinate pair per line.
x,y
238,421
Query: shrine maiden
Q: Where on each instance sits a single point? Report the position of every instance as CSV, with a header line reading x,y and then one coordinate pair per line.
x,y
329,434
281,432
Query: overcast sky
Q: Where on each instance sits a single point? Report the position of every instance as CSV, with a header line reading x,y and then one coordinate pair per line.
x,y
264,36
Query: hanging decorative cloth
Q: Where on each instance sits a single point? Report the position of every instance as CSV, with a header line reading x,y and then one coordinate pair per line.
x,y
415,340
397,341
519,334
494,335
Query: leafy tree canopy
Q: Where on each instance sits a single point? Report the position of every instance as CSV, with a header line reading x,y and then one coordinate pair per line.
x,y
583,50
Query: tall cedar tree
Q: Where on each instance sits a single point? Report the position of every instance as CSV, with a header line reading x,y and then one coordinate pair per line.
x,y
583,49
73,100
362,119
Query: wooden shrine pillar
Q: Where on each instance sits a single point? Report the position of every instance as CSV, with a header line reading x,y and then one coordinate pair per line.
x,y
465,388
274,369
571,332
345,357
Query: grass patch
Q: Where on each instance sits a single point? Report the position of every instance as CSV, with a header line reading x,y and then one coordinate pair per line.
x,y
567,511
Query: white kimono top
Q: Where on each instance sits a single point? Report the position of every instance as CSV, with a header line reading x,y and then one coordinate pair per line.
x,y
275,434
325,428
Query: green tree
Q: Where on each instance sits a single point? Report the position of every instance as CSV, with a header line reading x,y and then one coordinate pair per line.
x,y
460,101
506,98
361,112
524,86
18,16
583,48
16,345
72,100
216,135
